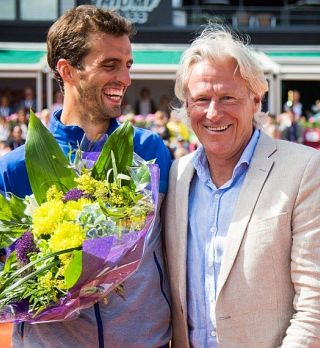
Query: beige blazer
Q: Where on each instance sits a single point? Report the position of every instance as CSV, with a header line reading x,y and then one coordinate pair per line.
x,y
269,285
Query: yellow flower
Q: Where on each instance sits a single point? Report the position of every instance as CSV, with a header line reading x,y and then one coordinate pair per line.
x,y
46,217
86,183
60,283
102,189
67,235
46,280
65,259
48,284
54,194
91,186
74,208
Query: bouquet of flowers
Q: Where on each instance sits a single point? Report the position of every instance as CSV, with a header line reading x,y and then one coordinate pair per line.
x,y
83,230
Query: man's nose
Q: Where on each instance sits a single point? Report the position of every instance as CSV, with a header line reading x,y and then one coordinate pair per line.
x,y
124,76
213,109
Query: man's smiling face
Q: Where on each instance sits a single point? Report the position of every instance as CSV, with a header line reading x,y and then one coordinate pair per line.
x,y
221,108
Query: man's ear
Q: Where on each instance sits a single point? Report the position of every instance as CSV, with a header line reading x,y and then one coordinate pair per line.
x,y
257,102
65,70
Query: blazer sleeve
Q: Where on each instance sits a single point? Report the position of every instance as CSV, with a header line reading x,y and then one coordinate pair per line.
x,y
304,329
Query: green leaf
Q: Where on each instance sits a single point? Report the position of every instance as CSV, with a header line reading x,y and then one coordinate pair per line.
x,y
120,142
9,232
113,212
46,163
12,208
73,270
114,165
18,207
12,258
13,221
5,208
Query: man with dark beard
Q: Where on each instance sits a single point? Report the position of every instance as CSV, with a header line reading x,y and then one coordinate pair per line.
x,y
89,51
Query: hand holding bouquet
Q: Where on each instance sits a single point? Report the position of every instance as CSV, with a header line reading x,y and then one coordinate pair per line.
x,y
81,233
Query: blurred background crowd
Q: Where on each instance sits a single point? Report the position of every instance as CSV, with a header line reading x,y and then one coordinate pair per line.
x,y
293,124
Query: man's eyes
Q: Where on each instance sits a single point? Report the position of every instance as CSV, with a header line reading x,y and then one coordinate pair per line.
x,y
109,66
202,100
114,66
228,97
225,98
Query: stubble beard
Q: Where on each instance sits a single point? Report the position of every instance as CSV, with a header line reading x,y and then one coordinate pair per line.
x,y
94,108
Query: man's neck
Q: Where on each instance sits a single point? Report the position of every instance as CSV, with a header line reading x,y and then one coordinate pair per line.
x,y
221,169
220,173
93,130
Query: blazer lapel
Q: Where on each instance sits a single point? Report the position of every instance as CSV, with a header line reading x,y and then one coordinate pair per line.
x,y
256,176
185,174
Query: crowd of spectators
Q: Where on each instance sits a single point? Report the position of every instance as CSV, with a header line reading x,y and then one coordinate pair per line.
x,y
172,128
14,118
293,124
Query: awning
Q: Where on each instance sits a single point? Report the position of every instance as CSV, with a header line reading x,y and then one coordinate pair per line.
x,y
161,61
22,57
150,61
155,61
296,63
21,60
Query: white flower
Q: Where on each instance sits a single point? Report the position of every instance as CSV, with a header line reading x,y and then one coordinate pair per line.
x,y
31,204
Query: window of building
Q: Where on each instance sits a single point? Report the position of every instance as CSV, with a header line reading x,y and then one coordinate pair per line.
x,y
34,10
38,10
8,9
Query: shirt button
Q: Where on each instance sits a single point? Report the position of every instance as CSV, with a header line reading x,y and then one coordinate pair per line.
x,y
213,229
216,196
213,333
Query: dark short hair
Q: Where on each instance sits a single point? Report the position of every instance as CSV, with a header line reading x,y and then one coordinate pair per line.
x,y
68,36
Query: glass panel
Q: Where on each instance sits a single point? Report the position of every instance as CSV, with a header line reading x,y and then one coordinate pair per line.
x,y
39,10
8,9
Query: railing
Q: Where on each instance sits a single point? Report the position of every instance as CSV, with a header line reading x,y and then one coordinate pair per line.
x,y
252,17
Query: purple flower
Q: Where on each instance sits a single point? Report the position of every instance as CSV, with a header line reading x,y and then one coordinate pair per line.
x,y
25,245
74,195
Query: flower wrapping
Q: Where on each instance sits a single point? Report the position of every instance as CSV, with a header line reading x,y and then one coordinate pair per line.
x,y
74,240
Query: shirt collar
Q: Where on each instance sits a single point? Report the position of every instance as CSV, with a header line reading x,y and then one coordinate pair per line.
x,y
72,134
201,166
248,152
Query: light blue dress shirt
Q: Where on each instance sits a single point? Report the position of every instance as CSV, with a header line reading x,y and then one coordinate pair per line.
x,y
210,214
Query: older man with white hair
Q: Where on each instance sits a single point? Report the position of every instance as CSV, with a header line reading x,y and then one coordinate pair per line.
x,y
242,214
